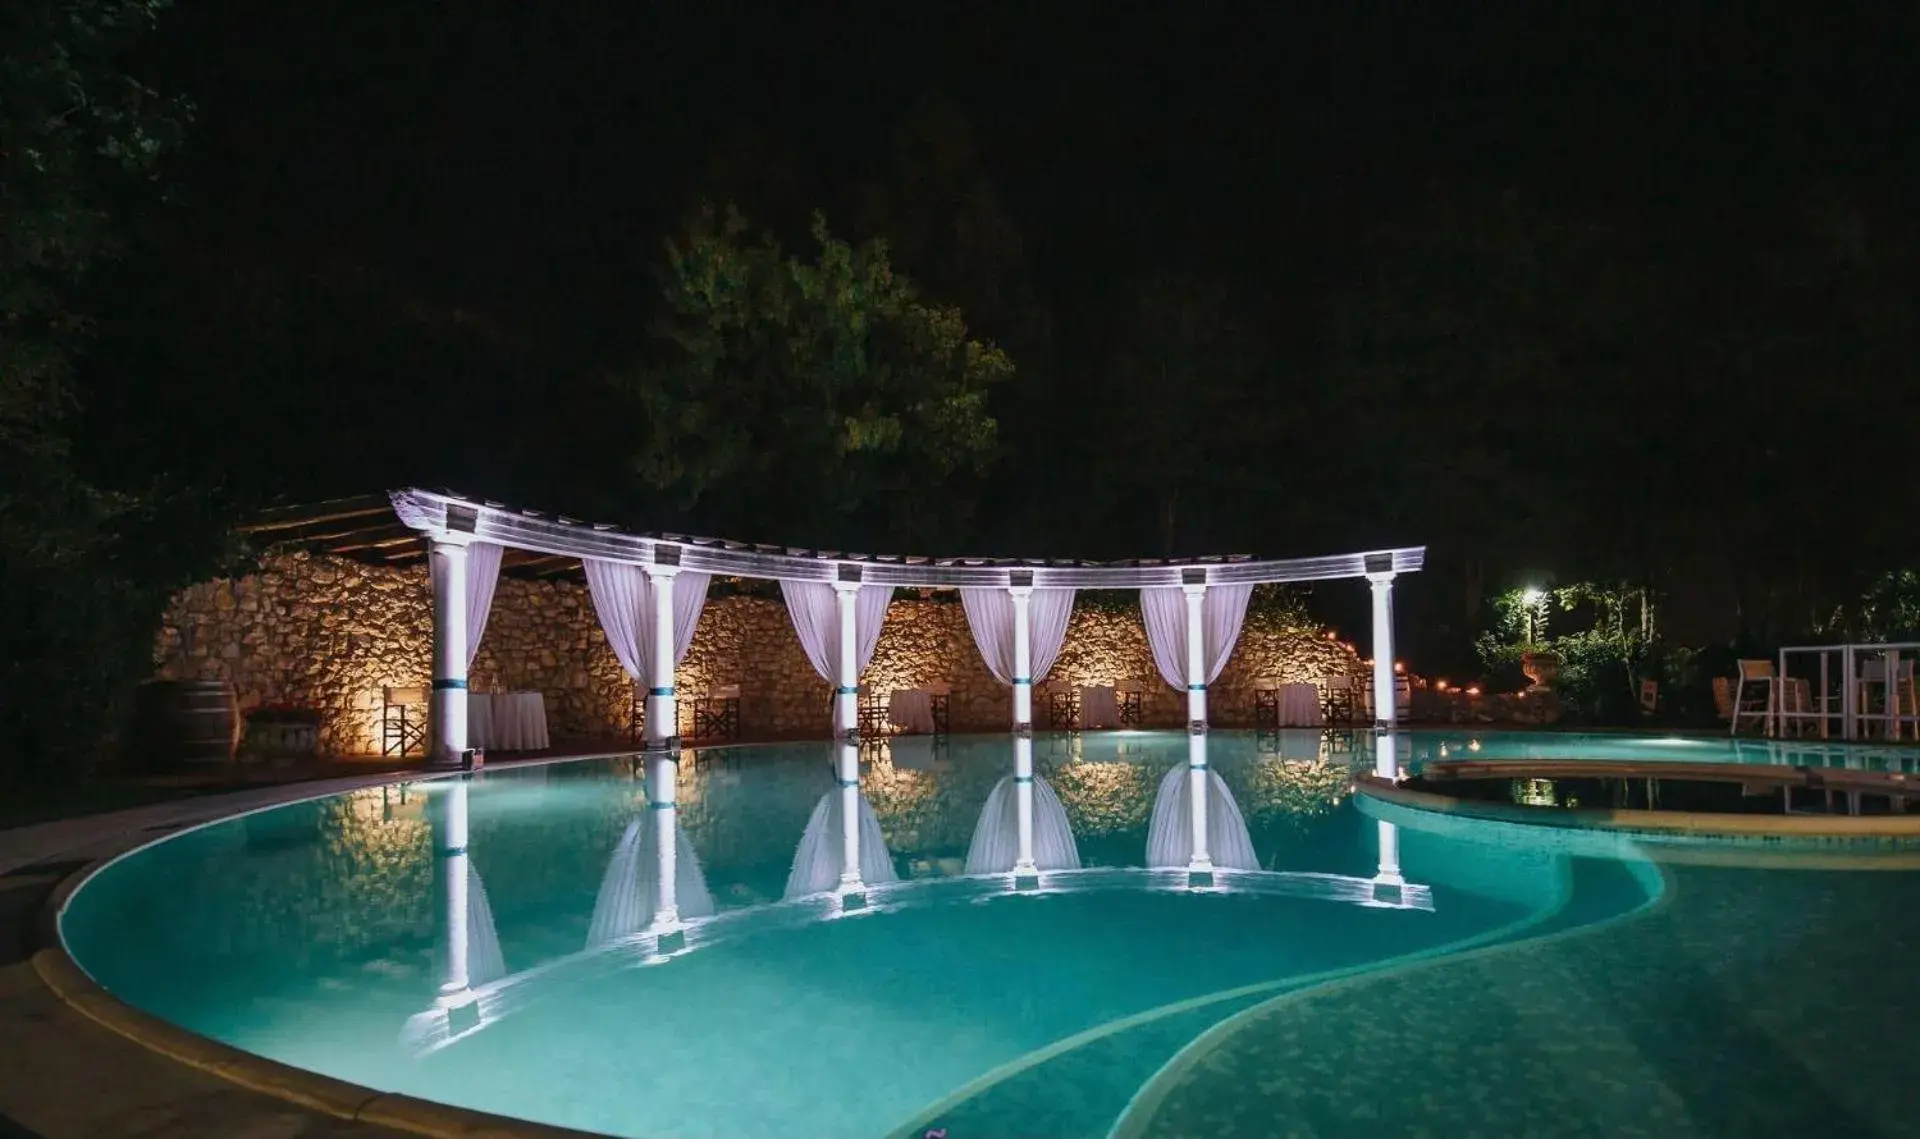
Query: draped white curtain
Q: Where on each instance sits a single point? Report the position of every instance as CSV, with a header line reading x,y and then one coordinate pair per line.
x,y
990,616
624,603
1164,609
816,618
483,573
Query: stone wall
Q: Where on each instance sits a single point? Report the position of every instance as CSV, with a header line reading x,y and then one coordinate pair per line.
x,y
328,634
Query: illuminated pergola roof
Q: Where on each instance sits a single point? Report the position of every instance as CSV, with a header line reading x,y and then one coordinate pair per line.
x,y
556,540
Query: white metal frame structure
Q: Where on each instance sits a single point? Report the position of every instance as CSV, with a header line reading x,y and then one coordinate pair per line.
x,y
451,523
1852,720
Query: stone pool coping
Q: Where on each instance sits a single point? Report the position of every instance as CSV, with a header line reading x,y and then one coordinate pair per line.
x,y
365,1110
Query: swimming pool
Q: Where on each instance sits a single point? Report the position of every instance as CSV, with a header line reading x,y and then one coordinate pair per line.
x,y
1378,970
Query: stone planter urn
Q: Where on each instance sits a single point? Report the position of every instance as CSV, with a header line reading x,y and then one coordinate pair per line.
x,y
1543,668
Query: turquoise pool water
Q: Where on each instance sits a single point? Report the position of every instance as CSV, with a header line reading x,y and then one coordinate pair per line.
x,y
1115,999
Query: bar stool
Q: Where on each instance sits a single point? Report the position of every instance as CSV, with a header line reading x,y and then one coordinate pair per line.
x,y
1758,674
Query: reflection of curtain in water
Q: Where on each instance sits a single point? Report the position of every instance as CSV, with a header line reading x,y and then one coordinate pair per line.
x,y
1170,835
484,960
996,840
630,890
816,864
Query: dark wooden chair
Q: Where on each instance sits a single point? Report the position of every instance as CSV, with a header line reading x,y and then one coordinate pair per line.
x,y
1266,704
1063,707
1131,696
403,721
716,713
940,698
872,712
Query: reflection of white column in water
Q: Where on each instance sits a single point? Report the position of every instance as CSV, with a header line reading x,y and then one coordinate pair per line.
x,y
846,707
1386,755
663,805
849,778
1197,724
451,848
1389,871
1024,822
1170,831
1023,799
833,852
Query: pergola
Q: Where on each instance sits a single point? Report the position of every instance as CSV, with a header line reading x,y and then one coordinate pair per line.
x,y
453,525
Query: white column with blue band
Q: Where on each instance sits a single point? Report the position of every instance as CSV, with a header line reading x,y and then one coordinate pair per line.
x,y
1023,727
663,769
448,710
1201,862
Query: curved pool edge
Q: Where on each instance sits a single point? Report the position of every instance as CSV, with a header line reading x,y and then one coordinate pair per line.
x,y
1136,1120
68,980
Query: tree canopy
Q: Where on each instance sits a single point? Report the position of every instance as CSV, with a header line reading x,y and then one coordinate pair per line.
x,y
810,399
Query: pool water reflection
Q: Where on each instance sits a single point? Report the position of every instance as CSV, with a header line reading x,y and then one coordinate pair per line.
x,y
452,939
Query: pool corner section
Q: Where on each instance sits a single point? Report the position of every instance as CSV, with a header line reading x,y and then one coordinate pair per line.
x,y
1903,831
63,976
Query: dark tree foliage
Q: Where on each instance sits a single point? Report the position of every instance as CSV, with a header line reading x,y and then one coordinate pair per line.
x,y
84,570
812,399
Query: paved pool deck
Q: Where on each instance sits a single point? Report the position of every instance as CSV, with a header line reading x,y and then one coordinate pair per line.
x,y
66,1075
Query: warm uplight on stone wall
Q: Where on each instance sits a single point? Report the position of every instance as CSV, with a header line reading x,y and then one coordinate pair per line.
x,y
329,634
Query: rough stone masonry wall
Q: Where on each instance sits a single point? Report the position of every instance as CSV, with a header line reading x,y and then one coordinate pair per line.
x,y
328,634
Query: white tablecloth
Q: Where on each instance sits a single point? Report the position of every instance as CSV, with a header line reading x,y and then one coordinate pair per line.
x,y
1300,706
1098,708
912,709
507,721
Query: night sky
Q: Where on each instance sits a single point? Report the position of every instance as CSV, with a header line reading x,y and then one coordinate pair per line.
x,y
524,161
512,171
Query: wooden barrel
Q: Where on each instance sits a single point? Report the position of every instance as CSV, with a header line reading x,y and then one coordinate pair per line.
x,y
185,723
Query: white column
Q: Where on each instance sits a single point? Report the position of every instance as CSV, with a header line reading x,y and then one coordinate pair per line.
x,y
1023,802
1023,726
1196,653
450,848
849,779
663,707
449,701
1022,656
1389,871
663,801
1202,861
1383,703
846,700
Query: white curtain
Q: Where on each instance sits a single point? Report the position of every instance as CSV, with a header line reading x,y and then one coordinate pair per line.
x,y
816,618
624,603
1170,830
1164,609
996,837
990,616
483,573
630,888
